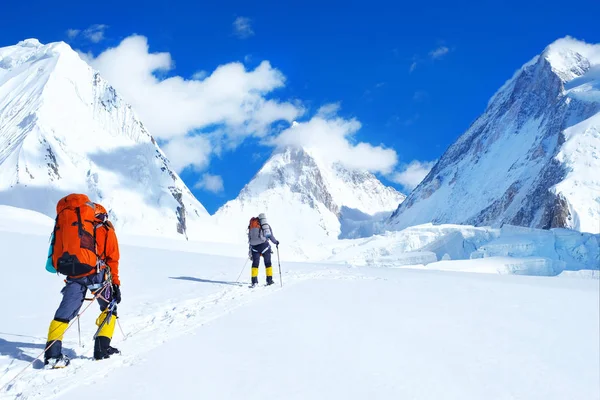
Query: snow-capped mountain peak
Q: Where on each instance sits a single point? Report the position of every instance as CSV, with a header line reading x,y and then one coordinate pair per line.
x,y
64,129
530,158
571,58
308,195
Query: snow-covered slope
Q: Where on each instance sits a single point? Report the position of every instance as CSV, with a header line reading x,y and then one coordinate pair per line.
x,y
64,129
304,198
189,330
531,159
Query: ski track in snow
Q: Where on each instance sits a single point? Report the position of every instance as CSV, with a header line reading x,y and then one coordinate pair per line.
x,y
172,320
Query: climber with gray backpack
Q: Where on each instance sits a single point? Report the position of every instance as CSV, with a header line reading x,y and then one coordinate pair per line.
x,y
259,235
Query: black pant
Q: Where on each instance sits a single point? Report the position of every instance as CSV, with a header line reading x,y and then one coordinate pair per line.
x,y
263,249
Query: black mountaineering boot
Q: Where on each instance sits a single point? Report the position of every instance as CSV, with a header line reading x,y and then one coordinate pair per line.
x,y
102,348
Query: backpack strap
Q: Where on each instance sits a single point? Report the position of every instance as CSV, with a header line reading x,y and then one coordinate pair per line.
x,y
82,233
52,242
105,238
96,226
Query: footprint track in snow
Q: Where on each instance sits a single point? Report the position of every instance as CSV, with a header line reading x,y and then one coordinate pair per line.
x,y
171,320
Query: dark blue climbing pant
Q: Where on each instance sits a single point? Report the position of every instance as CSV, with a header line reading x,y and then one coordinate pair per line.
x,y
263,249
74,295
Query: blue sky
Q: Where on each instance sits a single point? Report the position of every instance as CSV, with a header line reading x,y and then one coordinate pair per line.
x,y
415,75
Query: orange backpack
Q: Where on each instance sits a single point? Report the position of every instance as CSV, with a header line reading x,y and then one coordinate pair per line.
x,y
254,223
73,248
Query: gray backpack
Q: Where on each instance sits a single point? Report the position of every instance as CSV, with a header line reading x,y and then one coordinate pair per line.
x,y
256,233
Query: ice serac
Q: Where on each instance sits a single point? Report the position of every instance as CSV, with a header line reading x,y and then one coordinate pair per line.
x,y
64,129
305,198
531,159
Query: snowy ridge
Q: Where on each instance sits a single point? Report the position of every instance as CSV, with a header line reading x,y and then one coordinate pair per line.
x,y
64,129
305,199
530,158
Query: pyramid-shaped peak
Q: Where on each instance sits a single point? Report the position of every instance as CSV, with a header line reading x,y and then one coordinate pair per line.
x,y
64,129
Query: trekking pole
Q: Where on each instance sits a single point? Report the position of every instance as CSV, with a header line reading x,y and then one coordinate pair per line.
x,y
242,271
79,331
122,333
7,384
279,262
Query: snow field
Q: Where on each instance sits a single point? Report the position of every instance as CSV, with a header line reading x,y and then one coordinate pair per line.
x,y
332,331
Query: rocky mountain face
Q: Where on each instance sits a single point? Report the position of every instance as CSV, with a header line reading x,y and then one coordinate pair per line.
x,y
531,159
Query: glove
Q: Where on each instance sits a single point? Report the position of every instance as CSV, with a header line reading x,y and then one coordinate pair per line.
x,y
116,292
277,243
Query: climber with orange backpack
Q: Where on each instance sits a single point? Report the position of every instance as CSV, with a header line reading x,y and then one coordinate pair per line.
x,y
84,248
259,234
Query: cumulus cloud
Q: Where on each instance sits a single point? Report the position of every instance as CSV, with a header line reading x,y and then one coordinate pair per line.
x,y
439,52
242,27
329,110
189,151
413,66
231,98
196,119
332,138
210,183
72,33
94,33
199,75
174,106
412,174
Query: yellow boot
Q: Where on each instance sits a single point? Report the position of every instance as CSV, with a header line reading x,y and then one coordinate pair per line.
x,y
102,347
53,352
254,275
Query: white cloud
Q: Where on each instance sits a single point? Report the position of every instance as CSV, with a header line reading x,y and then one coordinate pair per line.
x,y
231,98
87,57
332,138
197,119
434,54
413,173
174,106
72,33
194,151
242,27
329,110
94,33
439,52
211,183
199,75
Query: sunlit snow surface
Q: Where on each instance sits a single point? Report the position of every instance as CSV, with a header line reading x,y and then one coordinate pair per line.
x,y
347,327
